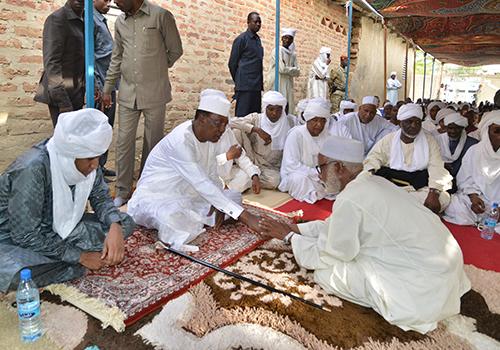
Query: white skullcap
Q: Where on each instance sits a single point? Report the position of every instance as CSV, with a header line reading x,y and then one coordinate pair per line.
x,y
393,73
317,107
325,49
410,110
456,118
489,118
347,105
443,113
289,31
214,101
369,100
343,149
273,98
85,133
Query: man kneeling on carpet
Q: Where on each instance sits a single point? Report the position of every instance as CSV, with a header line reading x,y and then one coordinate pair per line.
x,y
43,197
380,248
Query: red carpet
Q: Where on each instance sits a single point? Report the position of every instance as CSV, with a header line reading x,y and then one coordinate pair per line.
x,y
477,251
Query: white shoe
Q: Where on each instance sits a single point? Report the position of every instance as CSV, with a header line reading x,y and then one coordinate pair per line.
x,y
119,201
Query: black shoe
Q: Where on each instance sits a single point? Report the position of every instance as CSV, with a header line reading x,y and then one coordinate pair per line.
x,y
108,172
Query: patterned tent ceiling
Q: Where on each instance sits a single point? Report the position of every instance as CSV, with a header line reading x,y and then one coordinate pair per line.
x,y
465,32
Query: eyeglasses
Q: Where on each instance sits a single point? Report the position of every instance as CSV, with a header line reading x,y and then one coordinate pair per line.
x,y
318,167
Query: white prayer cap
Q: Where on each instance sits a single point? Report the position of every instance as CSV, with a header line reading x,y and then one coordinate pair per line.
x,y
370,100
214,101
387,104
85,133
317,107
489,118
288,31
273,98
343,149
456,118
393,73
443,113
410,110
325,49
347,105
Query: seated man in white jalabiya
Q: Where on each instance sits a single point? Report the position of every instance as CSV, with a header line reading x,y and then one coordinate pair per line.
x,y
299,176
430,122
345,108
180,191
263,137
411,157
365,126
380,248
478,180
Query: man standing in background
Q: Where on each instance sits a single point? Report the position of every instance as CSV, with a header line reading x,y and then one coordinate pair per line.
x,y
246,65
336,84
393,85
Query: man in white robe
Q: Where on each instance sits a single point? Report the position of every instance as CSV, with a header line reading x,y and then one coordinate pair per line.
x,y
431,123
393,85
299,176
345,108
380,248
263,137
288,67
365,126
411,157
478,180
318,76
180,188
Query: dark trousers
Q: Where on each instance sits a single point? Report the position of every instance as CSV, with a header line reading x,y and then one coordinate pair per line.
x,y
248,102
54,111
110,113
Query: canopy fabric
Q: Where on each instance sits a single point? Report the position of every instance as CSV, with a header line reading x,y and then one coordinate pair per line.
x,y
464,32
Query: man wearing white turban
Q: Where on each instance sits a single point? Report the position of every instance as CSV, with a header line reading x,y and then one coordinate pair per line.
x,y
411,157
345,108
365,126
43,198
393,85
288,68
263,136
299,109
431,123
299,176
317,85
180,191
478,180
379,248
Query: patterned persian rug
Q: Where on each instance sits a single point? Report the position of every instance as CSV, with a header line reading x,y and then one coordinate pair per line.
x,y
225,313
148,278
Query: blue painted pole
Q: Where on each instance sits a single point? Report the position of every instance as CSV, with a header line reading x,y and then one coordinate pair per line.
x,y
432,77
348,52
277,49
88,19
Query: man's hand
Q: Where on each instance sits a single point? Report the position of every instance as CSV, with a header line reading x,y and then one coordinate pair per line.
x,y
219,217
92,260
275,229
256,184
263,135
234,152
252,221
97,95
114,248
106,101
432,202
477,204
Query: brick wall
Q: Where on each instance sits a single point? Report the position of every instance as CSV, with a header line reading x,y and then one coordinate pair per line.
x,y
207,27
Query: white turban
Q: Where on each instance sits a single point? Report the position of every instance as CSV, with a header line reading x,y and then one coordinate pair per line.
x,y
347,105
370,100
433,104
343,149
443,113
456,118
214,101
454,106
273,98
301,106
410,110
85,133
489,118
277,130
393,73
325,50
288,31
317,107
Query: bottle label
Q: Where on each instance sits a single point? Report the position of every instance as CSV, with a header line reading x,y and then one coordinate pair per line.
x,y
28,310
490,222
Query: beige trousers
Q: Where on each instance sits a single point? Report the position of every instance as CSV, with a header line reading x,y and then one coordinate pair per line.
x,y
128,120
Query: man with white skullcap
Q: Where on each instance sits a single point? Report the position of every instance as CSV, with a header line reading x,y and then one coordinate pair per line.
x,y
299,176
365,126
43,199
317,85
180,191
288,68
478,180
411,158
454,143
393,85
431,123
263,136
378,249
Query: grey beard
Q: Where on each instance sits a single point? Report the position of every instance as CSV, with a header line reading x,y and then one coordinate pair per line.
x,y
332,185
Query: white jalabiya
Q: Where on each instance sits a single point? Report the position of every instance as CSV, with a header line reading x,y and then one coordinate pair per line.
x,y
178,186
278,130
420,160
337,129
369,133
318,87
80,134
393,85
444,144
399,259
299,176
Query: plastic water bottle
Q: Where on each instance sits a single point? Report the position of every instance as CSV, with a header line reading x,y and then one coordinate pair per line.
x,y
490,222
28,308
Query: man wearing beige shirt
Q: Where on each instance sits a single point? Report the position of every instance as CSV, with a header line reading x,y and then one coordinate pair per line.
x,y
147,44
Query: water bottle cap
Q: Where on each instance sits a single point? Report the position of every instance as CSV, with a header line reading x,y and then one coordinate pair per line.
x,y
25,274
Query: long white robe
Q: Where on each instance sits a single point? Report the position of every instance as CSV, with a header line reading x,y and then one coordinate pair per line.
x,y
399,259
178,186
393,85
318,87
299,176
369,133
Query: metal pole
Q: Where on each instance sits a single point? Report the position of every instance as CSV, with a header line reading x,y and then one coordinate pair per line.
x,y
432,77
346,93
89,52
385,62
406,70
425,71
414,71
277,49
